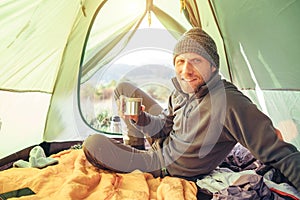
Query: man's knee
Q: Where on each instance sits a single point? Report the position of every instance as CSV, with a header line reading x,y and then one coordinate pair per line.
x,y
125,85
125,88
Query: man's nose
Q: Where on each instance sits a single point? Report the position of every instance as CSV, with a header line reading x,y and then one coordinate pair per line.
x,y
187,67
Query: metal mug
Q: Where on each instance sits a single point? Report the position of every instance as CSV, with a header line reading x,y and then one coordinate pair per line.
x,y
130,105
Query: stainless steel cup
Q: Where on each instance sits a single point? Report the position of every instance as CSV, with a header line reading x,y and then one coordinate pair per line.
x,y
130,105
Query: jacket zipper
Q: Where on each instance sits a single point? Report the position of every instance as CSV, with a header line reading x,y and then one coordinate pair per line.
x,y
186,112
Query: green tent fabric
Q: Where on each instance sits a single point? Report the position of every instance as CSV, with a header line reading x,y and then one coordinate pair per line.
x,y
49,47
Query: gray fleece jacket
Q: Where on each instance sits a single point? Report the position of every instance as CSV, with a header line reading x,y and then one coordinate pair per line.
x,y
199,131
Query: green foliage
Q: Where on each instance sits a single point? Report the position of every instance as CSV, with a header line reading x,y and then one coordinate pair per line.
x,y
104,120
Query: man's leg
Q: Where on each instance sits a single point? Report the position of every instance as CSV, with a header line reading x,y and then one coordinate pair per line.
x,y
136,138
107,153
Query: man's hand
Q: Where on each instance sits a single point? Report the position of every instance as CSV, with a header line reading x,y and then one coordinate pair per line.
x,y
134,117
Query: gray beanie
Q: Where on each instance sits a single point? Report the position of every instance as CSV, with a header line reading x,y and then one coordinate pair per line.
x,y
197,41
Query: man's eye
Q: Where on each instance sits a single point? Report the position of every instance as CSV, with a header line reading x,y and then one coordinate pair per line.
x,y
179,62
196,61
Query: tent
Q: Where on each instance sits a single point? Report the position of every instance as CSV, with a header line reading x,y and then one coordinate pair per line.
x,y
46,53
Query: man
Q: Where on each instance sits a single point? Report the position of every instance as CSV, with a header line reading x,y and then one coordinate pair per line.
x,y
206,117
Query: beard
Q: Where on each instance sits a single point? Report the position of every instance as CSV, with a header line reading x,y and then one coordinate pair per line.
x,y
187,87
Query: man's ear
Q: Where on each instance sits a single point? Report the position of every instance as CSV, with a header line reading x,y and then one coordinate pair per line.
x,y
213,68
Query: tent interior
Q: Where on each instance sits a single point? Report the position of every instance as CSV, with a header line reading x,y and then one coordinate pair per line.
x,y
60,61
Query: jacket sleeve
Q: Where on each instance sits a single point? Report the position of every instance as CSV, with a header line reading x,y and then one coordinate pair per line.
x,y
254,130
158,126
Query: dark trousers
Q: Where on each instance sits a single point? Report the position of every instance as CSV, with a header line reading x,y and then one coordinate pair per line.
x,y
107,153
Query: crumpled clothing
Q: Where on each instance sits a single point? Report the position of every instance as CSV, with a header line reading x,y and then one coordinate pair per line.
x,y
37,159
222,178
240,158
247,187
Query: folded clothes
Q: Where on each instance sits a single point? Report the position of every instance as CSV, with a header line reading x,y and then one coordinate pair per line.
x,y
37,159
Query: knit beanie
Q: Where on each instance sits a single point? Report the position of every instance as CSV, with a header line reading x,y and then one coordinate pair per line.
x,y
197,41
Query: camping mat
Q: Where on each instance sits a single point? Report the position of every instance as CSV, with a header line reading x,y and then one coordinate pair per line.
x,y
75,178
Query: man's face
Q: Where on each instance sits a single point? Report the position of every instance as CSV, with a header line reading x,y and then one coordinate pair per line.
x,y
192,71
